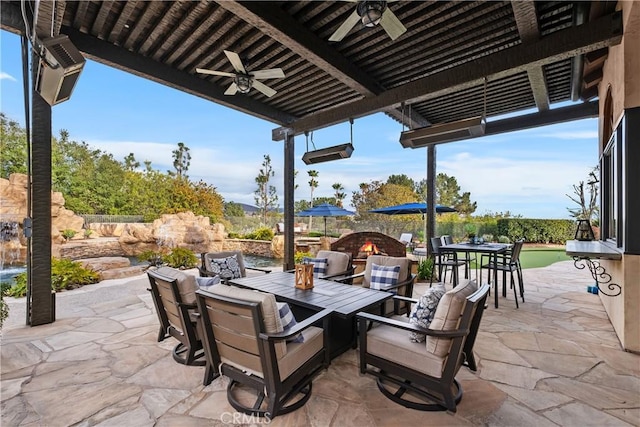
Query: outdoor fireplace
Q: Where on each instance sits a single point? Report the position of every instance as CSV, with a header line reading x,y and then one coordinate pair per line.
x,y
355,243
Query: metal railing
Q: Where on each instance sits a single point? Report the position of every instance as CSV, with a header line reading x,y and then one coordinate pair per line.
x,y
91,218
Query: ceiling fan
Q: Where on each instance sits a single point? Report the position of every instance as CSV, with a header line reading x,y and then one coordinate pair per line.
x,y
371,14
244,80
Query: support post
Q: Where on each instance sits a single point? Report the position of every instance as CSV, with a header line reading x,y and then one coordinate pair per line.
x,y
289,185
41,302
431,197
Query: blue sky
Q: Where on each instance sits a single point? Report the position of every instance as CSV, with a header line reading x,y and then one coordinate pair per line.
x,y
527,172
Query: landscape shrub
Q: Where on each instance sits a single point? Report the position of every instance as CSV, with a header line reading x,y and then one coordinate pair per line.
x,y
152,257
537,230
299,256
425,269
68,234
65,274
4,311
262,233
182,258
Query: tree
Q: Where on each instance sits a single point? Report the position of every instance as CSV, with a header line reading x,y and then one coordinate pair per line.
x,y
130,162
313,184
265,196
376,195
181,161
233,209
402,180
13,147
586,210
448,194
339,193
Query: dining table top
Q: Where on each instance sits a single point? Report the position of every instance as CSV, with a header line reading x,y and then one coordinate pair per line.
x,y
475,247
345,300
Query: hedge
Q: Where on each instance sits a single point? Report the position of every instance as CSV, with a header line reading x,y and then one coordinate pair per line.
x,y
537,230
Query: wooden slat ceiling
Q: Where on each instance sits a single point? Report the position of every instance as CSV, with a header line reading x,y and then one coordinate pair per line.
x,y
167,40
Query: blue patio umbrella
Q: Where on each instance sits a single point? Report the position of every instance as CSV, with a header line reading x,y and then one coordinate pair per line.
x,y
325,210
411,208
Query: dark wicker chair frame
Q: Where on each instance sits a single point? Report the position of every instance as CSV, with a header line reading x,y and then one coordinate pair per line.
x,y
176,319
438,393
217,314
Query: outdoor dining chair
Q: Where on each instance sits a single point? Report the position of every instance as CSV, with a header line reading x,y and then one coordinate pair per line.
x,y
174,298
226,264
244,340
507,263
468,257
444,262
418,375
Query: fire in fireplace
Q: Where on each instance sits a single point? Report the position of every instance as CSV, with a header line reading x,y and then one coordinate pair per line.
x,y
369,248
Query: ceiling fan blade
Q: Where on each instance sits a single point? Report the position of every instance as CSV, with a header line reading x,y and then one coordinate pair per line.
x,y
232,89
346,26
271,73
235,61
214,73
264,88
392,24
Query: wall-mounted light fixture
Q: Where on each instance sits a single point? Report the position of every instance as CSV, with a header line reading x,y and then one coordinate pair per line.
x,y
342,151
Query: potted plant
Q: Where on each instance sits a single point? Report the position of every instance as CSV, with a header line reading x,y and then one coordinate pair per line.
x,y
471,230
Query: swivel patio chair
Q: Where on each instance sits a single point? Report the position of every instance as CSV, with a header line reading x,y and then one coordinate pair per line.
x,y
378,274
334,265
508,262
245,341
443,261
174,299
418,375
226,264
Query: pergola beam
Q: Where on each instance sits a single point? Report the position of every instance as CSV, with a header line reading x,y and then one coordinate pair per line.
x,y
603,32
527,23
284,29
122,59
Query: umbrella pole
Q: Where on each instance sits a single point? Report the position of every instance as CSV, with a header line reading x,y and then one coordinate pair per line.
x,y
325,226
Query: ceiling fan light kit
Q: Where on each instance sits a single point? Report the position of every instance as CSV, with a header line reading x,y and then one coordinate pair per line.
x,y
371,12
244,81
441,133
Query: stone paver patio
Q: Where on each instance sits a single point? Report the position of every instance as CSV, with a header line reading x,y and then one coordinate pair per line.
x,y
555,361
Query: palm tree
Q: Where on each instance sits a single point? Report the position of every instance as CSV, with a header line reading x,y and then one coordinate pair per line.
x,y
313,184
339,194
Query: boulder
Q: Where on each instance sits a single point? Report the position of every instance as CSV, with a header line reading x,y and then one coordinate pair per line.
x,y
104,263
277,246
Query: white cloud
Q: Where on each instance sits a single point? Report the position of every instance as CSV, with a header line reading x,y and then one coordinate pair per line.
x,y
584,134
7,76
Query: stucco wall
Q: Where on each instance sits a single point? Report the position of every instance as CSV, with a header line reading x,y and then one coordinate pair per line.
x,y
621,73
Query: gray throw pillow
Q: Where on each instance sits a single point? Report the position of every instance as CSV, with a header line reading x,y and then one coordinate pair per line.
x,y
423,311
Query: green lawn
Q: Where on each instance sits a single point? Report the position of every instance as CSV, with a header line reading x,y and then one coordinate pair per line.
x,y
535,257
542,257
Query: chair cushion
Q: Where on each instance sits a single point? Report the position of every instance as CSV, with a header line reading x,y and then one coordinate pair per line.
x,y
205,282
422,313
187,284
337,262
392,344
299,353
226,267
448,315
269,309
403,262
319,265
288,321
383,277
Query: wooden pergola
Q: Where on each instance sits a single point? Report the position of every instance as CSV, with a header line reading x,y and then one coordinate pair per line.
x,y
520,54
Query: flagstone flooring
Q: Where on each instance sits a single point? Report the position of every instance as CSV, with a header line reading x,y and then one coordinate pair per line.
x,y
555,361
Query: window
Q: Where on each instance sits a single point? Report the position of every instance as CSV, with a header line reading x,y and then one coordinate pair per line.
x,y
611,189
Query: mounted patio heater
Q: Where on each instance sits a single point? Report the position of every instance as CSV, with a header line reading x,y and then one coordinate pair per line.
x,y
58,69
441,133
342,151
337,152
